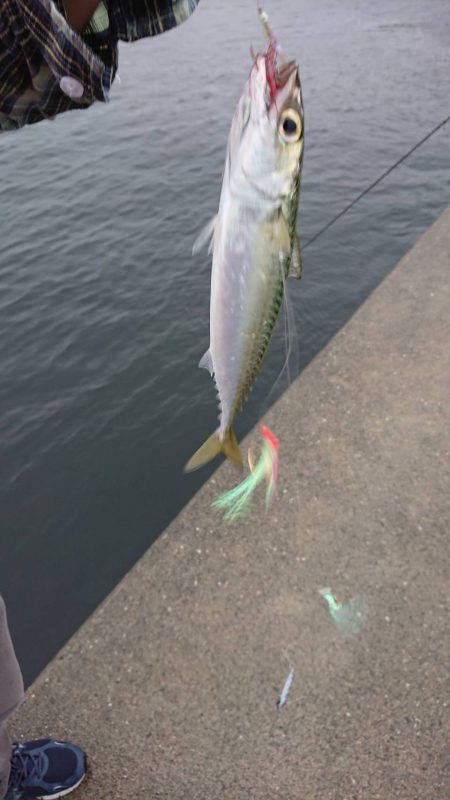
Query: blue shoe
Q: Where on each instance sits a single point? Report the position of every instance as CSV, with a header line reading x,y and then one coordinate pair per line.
x,y
45,769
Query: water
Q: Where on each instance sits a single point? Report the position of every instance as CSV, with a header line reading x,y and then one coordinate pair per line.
x,y
104,312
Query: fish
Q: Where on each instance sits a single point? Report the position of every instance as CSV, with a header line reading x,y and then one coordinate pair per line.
x,y
253,237
286,689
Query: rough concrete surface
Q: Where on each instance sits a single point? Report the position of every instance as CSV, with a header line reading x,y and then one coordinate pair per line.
x,y
171,686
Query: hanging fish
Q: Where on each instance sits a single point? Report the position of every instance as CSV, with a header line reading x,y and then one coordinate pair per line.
x,y
253,237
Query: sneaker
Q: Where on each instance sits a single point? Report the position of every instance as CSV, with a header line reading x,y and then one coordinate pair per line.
x,y
45,769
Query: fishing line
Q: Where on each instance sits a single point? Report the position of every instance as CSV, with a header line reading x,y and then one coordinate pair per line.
x,y
375,183
287,340
291,353
289,322
289,319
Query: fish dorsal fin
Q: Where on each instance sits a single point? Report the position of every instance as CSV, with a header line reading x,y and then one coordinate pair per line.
x,y
206,362
206,235
295,270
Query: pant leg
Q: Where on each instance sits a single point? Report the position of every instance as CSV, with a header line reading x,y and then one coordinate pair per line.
x,y
5,759
11,693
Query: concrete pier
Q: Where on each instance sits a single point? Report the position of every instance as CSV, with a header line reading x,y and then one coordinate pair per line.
x,y
171,686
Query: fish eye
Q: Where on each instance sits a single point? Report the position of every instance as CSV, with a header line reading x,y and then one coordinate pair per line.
x,y
290,125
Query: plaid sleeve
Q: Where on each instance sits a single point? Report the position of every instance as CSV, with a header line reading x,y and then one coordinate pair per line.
x,y
46,68
136,19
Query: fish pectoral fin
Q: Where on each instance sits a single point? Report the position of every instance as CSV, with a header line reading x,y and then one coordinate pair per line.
x,y
206,362
206,235
281,235
296,268
276,236
212,447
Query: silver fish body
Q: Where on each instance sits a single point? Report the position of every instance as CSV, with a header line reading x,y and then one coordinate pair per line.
x,y
254,242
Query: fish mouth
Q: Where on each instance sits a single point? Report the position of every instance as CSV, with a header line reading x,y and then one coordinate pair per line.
x,y
277,76
285,72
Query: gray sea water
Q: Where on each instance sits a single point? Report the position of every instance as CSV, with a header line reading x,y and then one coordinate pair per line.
x,y
104,311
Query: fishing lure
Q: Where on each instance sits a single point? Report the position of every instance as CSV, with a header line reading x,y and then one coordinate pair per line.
x,y
237,500
349,616
286,689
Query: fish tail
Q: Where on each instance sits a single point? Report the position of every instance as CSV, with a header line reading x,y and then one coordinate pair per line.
x,y
212,447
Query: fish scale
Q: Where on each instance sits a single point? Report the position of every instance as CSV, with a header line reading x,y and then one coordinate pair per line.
x,y
254,366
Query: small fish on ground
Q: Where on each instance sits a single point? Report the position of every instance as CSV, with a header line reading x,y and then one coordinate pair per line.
x,y
253,236
286,689
237,500
349,617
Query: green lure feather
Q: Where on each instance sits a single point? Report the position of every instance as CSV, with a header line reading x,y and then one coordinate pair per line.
x,y
236,501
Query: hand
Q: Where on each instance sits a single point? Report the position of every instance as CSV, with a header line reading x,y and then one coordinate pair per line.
x,y
79,12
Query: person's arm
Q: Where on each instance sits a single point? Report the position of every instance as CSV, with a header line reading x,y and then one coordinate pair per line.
x,y
52,62
79,12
